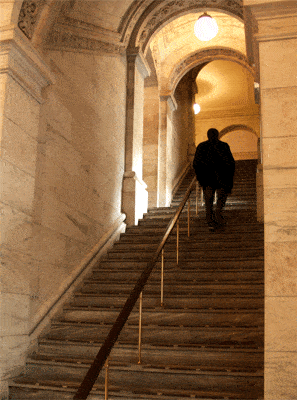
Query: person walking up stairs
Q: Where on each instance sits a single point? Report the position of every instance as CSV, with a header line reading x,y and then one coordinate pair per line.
x,y
205,342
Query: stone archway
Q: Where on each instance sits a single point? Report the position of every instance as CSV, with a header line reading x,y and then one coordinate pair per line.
x,y
243,141
232,128
203,57
159,13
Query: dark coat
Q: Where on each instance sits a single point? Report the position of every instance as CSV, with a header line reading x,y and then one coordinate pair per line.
x,y
214,165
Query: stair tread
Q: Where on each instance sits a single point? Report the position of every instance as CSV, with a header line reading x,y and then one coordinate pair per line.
x,y
214,310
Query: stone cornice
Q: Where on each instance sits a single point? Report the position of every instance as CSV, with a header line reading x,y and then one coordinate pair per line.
x,y
29,13
79,40
89,30
170,99
275,20
24,64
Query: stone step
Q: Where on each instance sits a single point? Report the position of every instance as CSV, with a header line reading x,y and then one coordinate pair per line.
x,y
198,223
210,337
172,210
173,356
205,288
191,277
51,393
198,230
149,381
96,301
139,377
243,264
202,254
29,392
169,317
192,244
153,237
205,342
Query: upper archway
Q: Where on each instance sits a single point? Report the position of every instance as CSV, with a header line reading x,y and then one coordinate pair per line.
x,y
176,50
160,13
203,57
236,127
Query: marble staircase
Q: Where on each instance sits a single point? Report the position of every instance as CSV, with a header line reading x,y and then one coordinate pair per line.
x,y
206,342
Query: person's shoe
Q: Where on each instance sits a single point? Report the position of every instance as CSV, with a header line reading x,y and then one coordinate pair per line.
x,y
211,226
220,220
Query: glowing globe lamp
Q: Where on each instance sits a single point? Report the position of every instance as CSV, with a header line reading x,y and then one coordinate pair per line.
x,y
206,28
196,108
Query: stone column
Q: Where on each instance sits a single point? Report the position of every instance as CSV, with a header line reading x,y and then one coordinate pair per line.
x,y
277,41
135,198
162,144
150,142
23,77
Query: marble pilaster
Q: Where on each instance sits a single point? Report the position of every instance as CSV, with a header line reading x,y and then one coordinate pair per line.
x,y
276,38
24,75
134,189
150,142
162,144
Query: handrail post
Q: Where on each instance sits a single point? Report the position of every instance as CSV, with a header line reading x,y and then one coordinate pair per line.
x,y
162,278
99,361
140,328
177,241
106,378
197,191
189,205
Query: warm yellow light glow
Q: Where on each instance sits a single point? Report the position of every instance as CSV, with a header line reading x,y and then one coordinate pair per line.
x,y
196,108
206,28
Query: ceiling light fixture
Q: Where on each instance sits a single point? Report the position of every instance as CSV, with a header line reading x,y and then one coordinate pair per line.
x,y
196,108
206,28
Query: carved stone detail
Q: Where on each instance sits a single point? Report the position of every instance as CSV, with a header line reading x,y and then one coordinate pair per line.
x,y
28,16
174,8
206,56
69,40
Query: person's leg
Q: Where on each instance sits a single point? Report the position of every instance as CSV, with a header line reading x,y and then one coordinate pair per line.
x,y
208,198
221,201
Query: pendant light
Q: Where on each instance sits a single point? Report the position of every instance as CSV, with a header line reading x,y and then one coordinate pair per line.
x,y
205,27
196,108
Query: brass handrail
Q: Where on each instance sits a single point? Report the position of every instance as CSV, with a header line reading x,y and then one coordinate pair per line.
x,y
95,369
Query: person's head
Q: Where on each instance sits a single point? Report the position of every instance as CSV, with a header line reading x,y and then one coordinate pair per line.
x,y
213,134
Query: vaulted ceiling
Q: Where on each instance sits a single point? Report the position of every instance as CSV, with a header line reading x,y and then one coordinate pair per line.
x,y
164,26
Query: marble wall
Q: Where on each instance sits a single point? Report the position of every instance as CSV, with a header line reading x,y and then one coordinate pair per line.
x,y
81,133
243,144
278,94
223,120
62,167
277,41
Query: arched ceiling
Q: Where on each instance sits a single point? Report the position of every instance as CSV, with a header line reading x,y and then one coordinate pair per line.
x,y
176,41
94,24
165,25
224,85
106,14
